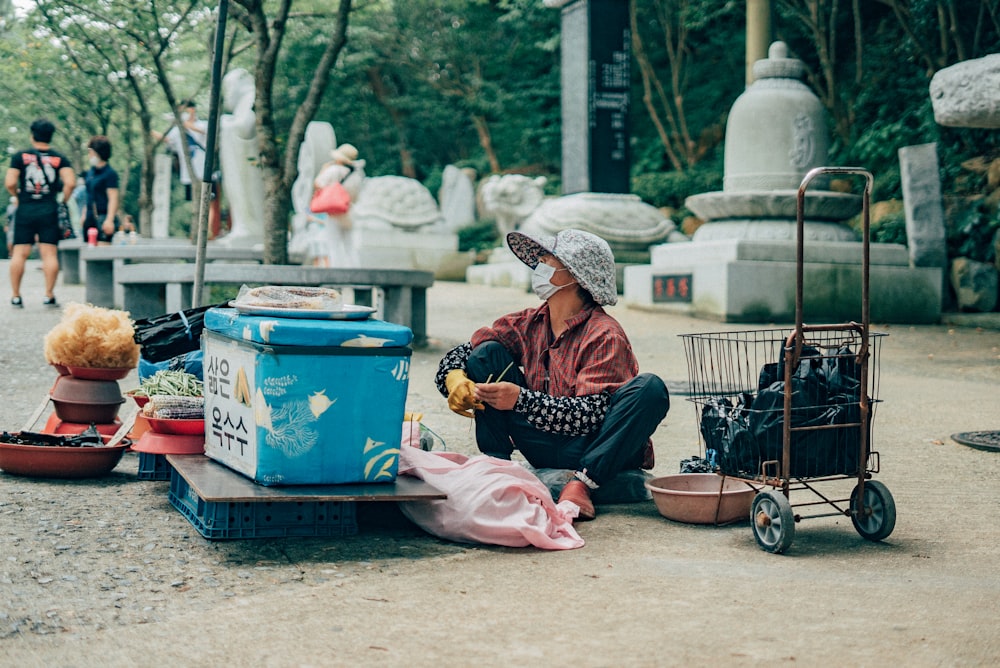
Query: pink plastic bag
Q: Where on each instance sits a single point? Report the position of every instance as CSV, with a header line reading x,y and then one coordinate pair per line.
x,y
490,500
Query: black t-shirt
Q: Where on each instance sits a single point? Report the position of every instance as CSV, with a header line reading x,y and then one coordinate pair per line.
x,y
34,190
98,180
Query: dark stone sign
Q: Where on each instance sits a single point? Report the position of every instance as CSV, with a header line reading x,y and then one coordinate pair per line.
x,y
671,288
596,72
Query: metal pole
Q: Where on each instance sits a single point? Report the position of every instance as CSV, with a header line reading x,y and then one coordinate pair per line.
x,y
206,177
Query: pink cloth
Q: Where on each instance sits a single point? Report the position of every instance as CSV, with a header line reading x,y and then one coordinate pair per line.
x,y
489,500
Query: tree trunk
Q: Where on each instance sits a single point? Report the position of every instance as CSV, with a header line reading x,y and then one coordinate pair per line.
x,y
486,141
280,171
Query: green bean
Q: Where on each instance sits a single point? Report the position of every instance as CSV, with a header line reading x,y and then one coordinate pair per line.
x,y
175,383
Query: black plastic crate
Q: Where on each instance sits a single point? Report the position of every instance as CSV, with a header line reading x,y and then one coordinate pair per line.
x,y
222,520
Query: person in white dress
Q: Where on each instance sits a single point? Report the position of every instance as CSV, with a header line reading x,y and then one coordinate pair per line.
x,y
346,168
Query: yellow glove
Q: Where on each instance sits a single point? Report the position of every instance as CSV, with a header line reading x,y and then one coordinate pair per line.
x,y
461,393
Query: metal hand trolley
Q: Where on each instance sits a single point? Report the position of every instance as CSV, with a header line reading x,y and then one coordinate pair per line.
x,y
778,441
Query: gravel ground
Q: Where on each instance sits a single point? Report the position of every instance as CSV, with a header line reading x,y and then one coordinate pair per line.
x,y
106,572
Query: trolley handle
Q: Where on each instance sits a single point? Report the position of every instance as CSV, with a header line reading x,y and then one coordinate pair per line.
x,y
800,237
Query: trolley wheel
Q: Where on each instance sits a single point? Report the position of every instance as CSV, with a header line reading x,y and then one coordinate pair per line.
x,y
772,521
874,516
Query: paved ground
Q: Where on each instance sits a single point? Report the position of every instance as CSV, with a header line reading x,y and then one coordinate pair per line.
x,y
105,572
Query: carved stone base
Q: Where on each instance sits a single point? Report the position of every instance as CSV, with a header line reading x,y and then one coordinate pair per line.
x,y
754,282
772,230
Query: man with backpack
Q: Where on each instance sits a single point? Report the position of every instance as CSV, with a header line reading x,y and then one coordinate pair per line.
x,y
36,177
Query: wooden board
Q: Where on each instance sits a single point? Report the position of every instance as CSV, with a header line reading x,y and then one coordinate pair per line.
x,y
214,482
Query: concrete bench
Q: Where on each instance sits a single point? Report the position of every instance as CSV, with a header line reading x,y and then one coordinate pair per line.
x,y
69,260
100,264
154,289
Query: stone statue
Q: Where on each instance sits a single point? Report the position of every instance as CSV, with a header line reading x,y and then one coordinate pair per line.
x,y
775,133
518,202
242,180
458,197
319,141
396,203
510,198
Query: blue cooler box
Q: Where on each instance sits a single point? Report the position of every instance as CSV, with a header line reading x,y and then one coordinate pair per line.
x,y
292,401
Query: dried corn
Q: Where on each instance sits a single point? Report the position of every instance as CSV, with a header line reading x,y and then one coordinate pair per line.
x,y
175,407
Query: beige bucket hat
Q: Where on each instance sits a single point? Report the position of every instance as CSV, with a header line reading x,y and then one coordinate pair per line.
x,y
587,256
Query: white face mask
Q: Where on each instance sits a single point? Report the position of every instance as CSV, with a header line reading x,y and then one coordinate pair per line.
x,y
541,281
94,160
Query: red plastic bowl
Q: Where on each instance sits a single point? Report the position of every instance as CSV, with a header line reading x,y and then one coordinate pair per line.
x,y
174,426
170,444
139,399
53,461
97,373
56,426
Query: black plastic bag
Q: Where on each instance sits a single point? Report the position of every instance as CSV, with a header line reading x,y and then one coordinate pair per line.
x,y
726,431
172,334
825,392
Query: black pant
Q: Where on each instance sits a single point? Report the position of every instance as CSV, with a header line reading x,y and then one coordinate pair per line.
x,y
637,407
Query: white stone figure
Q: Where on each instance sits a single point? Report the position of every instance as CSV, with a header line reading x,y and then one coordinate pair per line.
x,y
346,168
320,139
510,198
242,180
397,203
458,198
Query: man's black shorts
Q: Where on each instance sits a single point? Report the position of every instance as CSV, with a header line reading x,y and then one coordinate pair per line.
x,y
31,225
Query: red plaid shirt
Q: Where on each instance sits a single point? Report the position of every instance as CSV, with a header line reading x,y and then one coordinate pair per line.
x,y
593,355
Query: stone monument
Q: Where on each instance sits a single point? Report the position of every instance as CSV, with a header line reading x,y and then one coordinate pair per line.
x,y
596,52
740,266
242,181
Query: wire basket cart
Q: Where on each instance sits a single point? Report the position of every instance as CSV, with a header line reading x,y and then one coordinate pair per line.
x,y
791,409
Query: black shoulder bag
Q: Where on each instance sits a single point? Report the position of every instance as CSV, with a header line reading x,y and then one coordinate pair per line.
x,y
66,230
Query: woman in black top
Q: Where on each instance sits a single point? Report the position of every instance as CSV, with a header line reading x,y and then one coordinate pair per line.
x,y
102,191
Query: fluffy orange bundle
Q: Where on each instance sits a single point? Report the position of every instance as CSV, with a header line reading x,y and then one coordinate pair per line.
x,y
92,337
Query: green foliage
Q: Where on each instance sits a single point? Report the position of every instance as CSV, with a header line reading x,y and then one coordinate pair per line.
x,y
891,229
672,188
973,225
480,236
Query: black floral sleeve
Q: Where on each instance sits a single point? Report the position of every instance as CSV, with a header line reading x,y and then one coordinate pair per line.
x,y
563,415
453,359
558,415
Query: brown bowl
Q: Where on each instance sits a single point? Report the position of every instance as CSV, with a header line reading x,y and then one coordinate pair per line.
x,y
80,391
702,498
53,461
87,413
